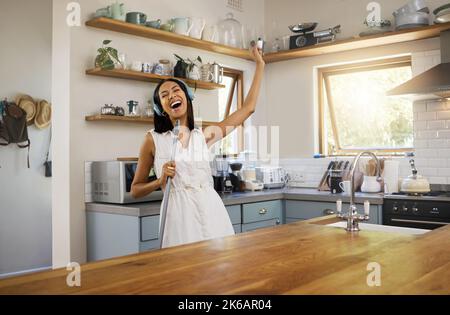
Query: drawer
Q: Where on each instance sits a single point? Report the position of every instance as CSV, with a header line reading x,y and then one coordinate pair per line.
x,y
261,211
149,228
259,225
235,214
237,228
305,210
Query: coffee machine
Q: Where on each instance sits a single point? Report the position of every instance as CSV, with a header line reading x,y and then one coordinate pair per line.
x,y
236,177
222,180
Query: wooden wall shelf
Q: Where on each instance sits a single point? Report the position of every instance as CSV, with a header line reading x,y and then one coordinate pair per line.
x,y
359,42
325,48
152,33
150,77
127,119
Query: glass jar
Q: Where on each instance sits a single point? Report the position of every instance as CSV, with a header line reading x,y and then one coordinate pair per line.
x,y
276,45
148,111
230,32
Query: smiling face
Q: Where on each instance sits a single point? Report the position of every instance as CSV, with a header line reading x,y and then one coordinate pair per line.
x,y
173,100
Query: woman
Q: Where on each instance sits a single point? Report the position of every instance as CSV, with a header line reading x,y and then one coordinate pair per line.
x,y
195,211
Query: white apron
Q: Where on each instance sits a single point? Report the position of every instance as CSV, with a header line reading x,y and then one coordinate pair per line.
x,y
195,211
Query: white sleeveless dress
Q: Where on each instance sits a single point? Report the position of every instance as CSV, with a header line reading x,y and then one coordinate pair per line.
x,y
195,211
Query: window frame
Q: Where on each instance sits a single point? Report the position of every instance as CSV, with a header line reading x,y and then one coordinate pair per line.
x,y
237,87
323,87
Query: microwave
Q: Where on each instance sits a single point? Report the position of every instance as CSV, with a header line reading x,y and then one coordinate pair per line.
x,y
111,182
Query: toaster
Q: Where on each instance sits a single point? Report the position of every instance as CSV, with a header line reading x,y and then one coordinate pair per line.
x,y
271,176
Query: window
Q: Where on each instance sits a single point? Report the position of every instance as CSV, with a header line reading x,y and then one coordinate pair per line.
x,y
355,113
231,98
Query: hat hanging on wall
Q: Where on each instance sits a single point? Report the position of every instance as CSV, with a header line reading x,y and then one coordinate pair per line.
x,y
43,115
21,97
30,108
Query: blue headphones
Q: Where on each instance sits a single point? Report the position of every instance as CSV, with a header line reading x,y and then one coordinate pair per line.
x,y
157,102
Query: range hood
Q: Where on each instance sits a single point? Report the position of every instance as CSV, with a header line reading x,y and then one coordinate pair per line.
x,y
433,83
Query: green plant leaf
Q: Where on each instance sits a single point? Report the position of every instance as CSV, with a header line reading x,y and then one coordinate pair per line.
x,y
108,65
199,59
106,42
179,58
113,53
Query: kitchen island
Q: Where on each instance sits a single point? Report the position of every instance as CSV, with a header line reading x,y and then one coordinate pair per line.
x,y
305,257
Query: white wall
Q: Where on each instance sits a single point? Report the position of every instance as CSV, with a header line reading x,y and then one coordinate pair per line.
x,y
25,194
98,141
290,92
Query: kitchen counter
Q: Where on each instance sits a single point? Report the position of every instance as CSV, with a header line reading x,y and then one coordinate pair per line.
x,y
300,258
306,194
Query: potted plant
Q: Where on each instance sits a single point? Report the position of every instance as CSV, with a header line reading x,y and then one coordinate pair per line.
x,y
193,70
107,57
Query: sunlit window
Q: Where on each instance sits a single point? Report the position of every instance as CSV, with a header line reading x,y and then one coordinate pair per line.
x,y
356,113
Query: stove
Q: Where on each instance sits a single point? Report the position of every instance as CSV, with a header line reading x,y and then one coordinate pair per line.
x,y
424,211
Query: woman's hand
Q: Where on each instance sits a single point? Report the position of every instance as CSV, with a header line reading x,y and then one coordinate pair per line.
x,y
257,55
168,170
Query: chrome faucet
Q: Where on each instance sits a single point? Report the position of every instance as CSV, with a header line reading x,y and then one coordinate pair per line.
x,y
353,217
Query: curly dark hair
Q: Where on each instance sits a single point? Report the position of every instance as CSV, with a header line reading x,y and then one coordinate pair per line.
x,y
163,123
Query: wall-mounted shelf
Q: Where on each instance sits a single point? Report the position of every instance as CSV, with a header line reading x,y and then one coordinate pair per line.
x,y
359,42
325,48
152,33
127,119
150,77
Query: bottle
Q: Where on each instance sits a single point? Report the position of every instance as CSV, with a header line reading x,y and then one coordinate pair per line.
x,y
260,44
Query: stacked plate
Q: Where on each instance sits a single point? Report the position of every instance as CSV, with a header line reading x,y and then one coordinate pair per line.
x,y
442,14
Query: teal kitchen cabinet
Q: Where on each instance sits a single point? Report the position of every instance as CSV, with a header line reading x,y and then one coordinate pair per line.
x,y
261,214
235,216
113,235
304,210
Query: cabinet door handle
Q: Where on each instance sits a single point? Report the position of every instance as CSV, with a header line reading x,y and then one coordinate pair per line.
x,y
329,211
262,211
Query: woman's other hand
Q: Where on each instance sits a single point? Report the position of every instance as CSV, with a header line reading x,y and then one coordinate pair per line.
x,y
257,55
168,170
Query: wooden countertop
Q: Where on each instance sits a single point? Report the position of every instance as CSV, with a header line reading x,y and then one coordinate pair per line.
x,y
299,258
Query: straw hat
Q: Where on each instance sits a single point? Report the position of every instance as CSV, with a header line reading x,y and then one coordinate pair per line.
x,y
43,115
21,97
30,108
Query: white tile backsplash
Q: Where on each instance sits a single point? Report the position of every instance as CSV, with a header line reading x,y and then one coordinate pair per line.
x,y
443,134
439,163
420,107
437,124
427,116
432,140
421,144
442,114
435,106
421,126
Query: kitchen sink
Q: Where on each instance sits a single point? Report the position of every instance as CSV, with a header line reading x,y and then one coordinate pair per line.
x,y
382,228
